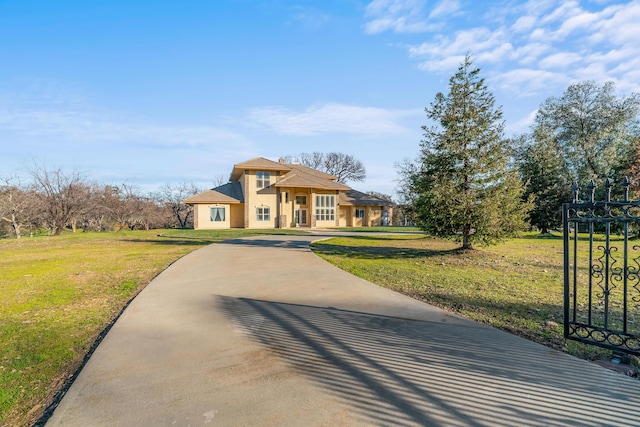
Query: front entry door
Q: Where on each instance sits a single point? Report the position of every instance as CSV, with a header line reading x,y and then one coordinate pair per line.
x,y
300,216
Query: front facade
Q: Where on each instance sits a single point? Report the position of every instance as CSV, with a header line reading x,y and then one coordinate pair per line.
x,y
266,194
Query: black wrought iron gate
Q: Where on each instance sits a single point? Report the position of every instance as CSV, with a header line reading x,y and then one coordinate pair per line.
x,y
602,270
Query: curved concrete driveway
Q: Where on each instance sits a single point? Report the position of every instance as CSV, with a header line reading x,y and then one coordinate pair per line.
x,y
261,332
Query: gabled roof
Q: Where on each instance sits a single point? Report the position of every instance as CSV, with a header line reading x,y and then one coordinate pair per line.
x,y
258,163
230,193
298,178
356,198
311,171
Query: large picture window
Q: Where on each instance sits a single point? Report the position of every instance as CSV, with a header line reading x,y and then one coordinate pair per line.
x,y
263,213
217,214
263,179
326,208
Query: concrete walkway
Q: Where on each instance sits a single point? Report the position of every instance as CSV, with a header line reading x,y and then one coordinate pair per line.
x,y
261,332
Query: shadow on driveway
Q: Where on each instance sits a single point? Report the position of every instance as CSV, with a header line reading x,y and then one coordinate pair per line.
x,y
404,372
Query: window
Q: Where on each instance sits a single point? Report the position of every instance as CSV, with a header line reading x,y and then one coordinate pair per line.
x,y
285,196
325,208
360,213
263,179
263,213
301,200
217,214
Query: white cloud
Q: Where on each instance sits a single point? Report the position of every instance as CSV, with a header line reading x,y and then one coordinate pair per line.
x,y
540,45
523,125
402,16
330,118
408,16
444,8
47,109
560,60
91,127
618,25
524,24
480,42
527,81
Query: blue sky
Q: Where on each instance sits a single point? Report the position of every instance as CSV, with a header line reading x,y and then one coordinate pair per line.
x,y
155,92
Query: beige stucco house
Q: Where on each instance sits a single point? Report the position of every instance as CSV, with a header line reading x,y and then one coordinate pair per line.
x,y
265,194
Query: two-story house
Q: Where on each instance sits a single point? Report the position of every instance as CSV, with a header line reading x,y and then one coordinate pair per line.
x,y
265,194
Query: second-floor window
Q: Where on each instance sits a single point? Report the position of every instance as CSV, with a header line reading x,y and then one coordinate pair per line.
x,y
263,179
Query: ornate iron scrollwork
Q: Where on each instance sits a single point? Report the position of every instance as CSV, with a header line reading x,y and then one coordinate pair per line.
x,y
603,306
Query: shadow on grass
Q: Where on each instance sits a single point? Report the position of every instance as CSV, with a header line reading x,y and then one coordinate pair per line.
x,y
382,252
521,318
175,241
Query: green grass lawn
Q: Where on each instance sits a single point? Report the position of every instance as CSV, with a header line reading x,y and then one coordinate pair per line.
x,y
516,286
58,293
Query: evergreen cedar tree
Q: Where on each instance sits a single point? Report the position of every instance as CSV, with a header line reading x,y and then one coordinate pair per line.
x,y
464,186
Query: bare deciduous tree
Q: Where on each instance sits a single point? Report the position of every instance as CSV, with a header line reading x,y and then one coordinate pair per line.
x,y
16,205
220,179
172,197
61,196
344,167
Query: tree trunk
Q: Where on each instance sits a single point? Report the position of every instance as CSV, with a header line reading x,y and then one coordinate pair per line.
x,y
466,234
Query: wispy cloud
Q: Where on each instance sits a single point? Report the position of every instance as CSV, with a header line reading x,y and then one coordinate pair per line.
x,y
48,109
402,16
330,118
527,45
445,8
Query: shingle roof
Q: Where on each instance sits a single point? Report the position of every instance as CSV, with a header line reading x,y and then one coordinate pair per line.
x,y
259,163
298,178
311,171
356,198
230,192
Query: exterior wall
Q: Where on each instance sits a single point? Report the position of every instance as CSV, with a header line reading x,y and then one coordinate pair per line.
x,y
202,217
285,214
373,216
343,216
255,197
237,216
244,183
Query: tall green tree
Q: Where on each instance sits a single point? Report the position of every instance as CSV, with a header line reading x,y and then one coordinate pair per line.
x,y
592,127
465,187
547,182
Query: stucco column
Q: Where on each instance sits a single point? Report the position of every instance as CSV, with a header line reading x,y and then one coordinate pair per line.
x,y
278,210
336,207
312,210
246,199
